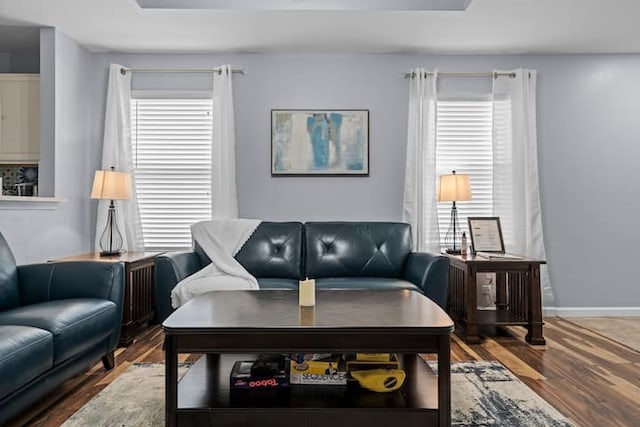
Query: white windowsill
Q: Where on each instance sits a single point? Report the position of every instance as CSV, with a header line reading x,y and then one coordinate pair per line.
x,y
27,202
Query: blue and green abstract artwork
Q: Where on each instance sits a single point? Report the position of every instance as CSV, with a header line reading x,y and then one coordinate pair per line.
x,y
319,142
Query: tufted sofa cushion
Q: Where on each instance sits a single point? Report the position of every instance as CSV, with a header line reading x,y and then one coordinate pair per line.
x,y
274,250
356,249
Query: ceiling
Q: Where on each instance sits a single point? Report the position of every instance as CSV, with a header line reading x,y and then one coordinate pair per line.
x,y
487,26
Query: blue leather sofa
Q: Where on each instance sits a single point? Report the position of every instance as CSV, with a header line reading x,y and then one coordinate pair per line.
x,y
56,320
338,255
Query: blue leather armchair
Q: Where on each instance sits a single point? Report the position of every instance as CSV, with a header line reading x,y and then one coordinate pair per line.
x,y
338,255
56,320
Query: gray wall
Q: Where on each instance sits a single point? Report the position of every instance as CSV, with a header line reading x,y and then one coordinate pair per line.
x,y
588,127
37,235
588,131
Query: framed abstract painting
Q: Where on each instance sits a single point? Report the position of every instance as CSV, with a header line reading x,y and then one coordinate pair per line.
x,y
319,142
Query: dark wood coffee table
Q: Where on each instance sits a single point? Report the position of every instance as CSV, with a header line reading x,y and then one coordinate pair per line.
x,y
222,323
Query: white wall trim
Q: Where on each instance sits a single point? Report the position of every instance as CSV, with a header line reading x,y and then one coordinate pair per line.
x,y
590,311
29,202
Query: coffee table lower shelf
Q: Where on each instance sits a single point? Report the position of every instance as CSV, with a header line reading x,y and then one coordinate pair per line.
x,y
204,399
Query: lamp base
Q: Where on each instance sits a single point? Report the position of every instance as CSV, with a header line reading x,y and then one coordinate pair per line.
x,y
454,251
111,253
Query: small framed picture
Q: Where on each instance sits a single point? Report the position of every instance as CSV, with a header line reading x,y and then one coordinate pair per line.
x,y
486,234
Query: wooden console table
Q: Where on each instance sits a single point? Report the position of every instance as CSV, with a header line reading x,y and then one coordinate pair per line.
x,y
518,295
139,303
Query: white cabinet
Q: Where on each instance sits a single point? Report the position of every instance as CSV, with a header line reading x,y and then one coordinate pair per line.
x,y
19,118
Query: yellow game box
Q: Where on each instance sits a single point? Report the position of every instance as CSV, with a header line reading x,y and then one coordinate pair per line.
x,y
354,364
321,369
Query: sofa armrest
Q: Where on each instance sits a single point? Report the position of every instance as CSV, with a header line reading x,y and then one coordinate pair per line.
x,y
430,273
74,279
170,268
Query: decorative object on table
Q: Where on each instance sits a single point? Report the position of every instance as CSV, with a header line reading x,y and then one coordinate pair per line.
x,y
111,185
463,244
453,188
319,142
307,293
380,380
486,234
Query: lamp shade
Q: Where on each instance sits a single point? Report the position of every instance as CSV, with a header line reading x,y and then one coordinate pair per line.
x,y
453,188
111,185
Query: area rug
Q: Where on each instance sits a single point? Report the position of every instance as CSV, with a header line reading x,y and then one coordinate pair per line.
x,y
488,394
483,394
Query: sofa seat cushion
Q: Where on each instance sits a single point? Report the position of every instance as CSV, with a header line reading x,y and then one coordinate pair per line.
x,y
25,353
368,283
76,324
271,283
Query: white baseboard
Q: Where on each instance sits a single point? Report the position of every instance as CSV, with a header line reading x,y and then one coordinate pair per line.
x,y
590,311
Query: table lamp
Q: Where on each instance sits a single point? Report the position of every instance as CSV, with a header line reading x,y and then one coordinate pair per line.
x,y
111,185
453,188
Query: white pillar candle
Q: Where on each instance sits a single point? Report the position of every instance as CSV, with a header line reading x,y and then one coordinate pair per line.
x,y
307,293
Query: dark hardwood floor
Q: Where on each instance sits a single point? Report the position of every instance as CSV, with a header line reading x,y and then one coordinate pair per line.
x,y
591,379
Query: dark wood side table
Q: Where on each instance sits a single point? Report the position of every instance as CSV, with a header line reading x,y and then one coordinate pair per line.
x,y
518,295
139,303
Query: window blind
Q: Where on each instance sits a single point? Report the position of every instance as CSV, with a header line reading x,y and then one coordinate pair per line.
x,y
171,145
464,144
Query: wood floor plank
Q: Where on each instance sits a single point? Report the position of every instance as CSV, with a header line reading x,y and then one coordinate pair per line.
x,y
511,361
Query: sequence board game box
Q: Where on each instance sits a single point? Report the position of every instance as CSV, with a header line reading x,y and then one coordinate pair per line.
x,y
318,369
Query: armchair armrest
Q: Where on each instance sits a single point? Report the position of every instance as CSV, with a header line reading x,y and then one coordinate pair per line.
x,y
170,268
430,273
74,279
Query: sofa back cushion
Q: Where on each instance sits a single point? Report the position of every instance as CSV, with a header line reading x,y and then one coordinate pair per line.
x,y
274,250
356,249
9,292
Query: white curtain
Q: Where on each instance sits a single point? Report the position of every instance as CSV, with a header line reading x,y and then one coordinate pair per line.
x,y
419,207
224,197
116,152
516,195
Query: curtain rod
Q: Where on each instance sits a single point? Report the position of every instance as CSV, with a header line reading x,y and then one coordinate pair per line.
x,y
179,70
493,74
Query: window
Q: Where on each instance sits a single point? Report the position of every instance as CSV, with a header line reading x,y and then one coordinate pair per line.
x,y
464,144
171,145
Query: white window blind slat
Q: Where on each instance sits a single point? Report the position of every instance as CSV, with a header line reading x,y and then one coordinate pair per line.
x,y
171,142
464,144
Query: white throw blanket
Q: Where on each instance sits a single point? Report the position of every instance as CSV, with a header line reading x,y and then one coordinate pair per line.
x,y
220,240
